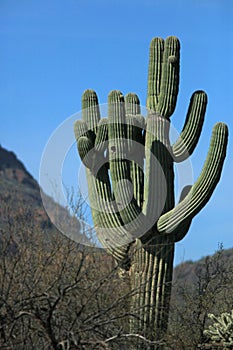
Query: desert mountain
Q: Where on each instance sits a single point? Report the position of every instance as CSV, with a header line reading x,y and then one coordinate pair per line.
x,y
20,197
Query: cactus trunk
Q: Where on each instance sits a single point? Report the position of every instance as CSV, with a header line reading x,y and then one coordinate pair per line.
x,y
129,165
151,276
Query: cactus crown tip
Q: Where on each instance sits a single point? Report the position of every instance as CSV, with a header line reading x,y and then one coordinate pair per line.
x,y
157,39
172,37
201,92
88,93
115,96
221,126
131,97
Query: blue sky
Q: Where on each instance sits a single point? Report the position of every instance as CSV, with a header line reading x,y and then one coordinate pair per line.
x,y
51,51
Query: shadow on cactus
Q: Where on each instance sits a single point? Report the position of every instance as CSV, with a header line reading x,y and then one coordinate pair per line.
x,y
129,163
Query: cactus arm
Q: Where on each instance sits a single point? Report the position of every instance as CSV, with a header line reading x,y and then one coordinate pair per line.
x,y
135,126
84,142
163,75
80,129
91,135
170,77
132,104
90,109
185,144
154,73
85,147
182,229
203,188
101,141
119,164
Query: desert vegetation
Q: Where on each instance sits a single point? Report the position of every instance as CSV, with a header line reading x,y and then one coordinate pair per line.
x,y
55,294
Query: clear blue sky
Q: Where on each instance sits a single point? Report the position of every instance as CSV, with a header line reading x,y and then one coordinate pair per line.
x,y
51,51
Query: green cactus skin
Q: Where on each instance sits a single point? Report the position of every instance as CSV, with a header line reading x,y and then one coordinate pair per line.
x,y
107,149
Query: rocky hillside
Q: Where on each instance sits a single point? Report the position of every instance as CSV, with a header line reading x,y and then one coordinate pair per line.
x,y
20,197
189,273
19,190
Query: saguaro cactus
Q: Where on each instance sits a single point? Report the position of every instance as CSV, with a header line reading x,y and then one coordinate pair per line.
x,y
129,166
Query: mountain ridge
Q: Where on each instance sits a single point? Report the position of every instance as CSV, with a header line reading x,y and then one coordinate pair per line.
x,y
23,196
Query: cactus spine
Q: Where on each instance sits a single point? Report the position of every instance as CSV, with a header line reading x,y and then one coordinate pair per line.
x,y
129,165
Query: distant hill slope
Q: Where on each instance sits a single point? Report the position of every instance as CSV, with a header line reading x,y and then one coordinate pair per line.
x,y
188,272
21,193
19,189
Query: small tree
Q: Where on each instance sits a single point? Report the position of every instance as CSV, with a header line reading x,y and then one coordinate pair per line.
x,y
54,293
